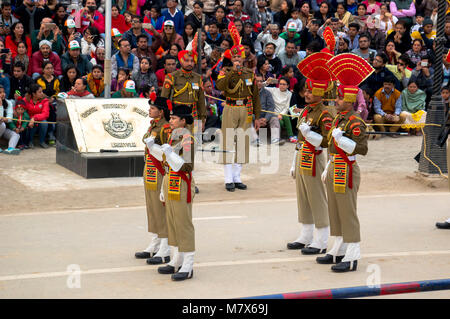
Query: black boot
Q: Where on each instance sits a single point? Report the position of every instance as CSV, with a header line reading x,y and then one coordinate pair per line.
x,y
158,260
143,255
313,251
295,245
443,225
230,187
182,276
345,266
240,186
166,270
329,259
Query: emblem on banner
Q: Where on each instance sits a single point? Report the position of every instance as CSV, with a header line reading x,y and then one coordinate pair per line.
x,y
118,128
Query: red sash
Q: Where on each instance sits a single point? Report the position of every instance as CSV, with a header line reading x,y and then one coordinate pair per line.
x,y
313,149
349,163
187,177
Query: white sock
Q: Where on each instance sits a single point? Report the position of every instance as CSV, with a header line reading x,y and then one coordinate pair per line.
x,y
164,249
228,170
177,258
334,251
320,240
154,244
306,235
188,262
237,173
353,252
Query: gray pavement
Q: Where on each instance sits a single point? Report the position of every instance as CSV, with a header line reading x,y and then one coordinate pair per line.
x,y
240,250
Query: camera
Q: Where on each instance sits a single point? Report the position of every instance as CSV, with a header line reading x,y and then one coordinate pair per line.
x,y
424,63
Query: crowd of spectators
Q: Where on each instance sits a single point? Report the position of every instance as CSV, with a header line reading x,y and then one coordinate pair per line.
x,y
49,47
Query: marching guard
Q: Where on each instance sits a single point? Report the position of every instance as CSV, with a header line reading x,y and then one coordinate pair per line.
x,y
158,250
342,176
242,102
314,124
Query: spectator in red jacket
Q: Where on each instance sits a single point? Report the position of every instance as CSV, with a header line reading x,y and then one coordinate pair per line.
x,y
89,16
118,20
45,53
17,35
38,109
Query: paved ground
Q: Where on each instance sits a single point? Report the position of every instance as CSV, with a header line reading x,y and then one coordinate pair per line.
x,y
240,237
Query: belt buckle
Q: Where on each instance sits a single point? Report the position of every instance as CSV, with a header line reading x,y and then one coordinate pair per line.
x,y
239,102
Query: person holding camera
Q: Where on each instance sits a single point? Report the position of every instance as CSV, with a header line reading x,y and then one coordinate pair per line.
x,y
6,19
50,32
423,76
90,16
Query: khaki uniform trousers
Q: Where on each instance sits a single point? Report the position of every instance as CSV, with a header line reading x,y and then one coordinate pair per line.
x,y
311,197
156,212
179,218
381,120
234,117
342,207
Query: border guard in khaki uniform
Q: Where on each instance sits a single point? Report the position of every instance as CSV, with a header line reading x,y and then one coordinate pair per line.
x,y
342,176
177,192
242,102
158,250
309,160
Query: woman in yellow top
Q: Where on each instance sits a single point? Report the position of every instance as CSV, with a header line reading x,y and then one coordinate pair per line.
x,y
343,15
50,87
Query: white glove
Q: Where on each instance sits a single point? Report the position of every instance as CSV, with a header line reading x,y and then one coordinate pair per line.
x,y
149,141
294,161
337,134
305,129
323,177
161,196
347,144
167,149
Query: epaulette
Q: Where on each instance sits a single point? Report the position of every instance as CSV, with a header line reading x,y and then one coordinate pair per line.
x,y
354,124
166,125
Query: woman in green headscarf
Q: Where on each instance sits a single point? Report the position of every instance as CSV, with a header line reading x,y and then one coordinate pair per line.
x,y
413,107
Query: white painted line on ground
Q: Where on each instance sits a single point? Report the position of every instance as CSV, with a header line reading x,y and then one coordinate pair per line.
x,y
229,202
218,217
215,264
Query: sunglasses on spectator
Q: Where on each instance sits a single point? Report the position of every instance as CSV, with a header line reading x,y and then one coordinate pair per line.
x,y
168,27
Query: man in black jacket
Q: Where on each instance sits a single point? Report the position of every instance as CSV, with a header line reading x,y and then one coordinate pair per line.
x,y
30,14
309,34
19,82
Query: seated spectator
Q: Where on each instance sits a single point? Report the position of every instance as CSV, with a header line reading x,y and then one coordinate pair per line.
x,y
50,86
237,12
90,16
422,75
124,59
404,10
388,106
118,20
128,90
417,52
169,36
17,35
116,36
155,18
446,75
387,19
373,6
96,81
20,125
173,14
60,16
45,54
343,46
273,37
189,32
143,49
413,106
376,37
195,17
213,37
250,57
145,76
69,77
401,38
74,56
352,6
6,19
99,57
90,40
260,14
220,17
263,68
170,65
20,82
288,73
122,76
324,13
377,78
364,51
353,36
295,19
267,104
248,32
391,53
291,34
38,109
205,47
297,102
310,34
282,96
361,17
401,71
305,14
135,31
22,56
345,17
213,111
80,91
419,22
31,13
426,33
6,58
70,33
360,105
274,61
6,115
50,32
